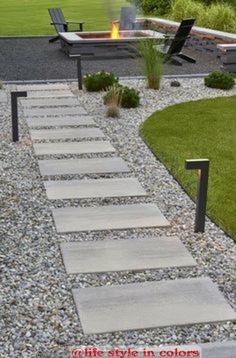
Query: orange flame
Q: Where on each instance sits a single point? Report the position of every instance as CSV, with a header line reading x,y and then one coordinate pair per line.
x,y
115,30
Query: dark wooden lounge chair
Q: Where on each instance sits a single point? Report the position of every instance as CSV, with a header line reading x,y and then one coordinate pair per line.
x,y
174,49
127,18
60,23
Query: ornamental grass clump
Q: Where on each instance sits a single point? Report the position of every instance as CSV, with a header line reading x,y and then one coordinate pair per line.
x,y
152,61
128,97
99,81
113,102
220,79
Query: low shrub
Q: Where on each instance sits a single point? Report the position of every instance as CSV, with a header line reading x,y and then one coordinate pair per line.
x,y
128,97
99,81
220,79
156,7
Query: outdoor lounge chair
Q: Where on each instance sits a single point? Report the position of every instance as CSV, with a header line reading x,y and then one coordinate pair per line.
x,y
127,18
60,23
177,42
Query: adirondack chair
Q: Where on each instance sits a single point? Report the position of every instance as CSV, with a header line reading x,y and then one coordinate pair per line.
x,y
127,18
60,23
174,49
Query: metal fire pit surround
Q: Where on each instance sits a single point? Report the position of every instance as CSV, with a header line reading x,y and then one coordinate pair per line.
x,y
99,44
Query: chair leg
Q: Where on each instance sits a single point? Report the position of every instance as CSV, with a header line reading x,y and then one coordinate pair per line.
x,y
54,39
186,58
174,61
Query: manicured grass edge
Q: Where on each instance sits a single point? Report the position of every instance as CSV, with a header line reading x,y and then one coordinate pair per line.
x,y
210,216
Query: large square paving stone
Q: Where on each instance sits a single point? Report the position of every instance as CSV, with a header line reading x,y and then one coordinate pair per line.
x,y
73,148
83,166
49,102
64,121
98,188
111,217
51,111
65,133
151,305
122,255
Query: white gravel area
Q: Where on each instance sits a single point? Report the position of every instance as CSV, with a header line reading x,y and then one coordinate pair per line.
x,y
38,314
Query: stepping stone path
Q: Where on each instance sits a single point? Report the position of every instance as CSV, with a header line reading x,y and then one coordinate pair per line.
x,y
98,188
122,255
73,148
49,94
122,307
54,111
151,304
82,166
65,133
110,217
64,121
45,102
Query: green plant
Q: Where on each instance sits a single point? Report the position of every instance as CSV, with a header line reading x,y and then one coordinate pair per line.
x,y
1,85
113,101
128,97
152,62
183,9
99,81
220,79
220,16
156,7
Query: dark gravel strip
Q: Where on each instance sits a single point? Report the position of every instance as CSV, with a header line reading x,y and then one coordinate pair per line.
x,y
23,59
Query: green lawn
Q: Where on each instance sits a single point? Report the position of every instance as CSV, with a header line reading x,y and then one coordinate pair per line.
x,y
30,17
201,129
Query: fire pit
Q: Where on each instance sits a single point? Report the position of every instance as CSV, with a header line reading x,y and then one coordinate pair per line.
x,y
105,44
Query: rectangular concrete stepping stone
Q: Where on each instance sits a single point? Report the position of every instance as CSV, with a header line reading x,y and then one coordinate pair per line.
x,y
82,166
57,111
151,305
49,102
111,217
219,350
49,94
73,148
122,255
43,87
60,121
66,133
98,188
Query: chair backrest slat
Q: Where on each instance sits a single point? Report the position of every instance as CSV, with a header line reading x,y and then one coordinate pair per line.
x,y
181,36
57,18
127,18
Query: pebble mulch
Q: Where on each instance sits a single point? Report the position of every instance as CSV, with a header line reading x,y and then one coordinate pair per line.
x,y
39,318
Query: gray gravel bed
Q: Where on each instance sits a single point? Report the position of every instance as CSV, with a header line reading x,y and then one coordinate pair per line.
x,y
39,318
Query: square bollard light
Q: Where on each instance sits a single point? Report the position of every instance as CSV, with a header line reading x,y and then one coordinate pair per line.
x,y
14,113
203,169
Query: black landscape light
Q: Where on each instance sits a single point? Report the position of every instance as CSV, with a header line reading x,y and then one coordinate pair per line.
x,y
203,170
14,113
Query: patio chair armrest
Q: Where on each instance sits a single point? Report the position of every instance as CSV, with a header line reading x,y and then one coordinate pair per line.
x,y
58,23
73,22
